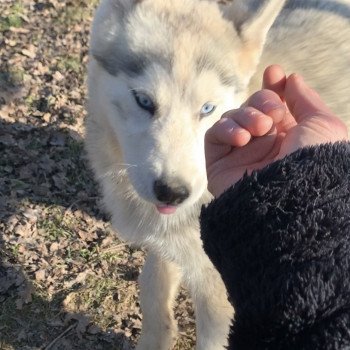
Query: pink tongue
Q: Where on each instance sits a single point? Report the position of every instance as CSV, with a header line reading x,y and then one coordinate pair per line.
x,y
166,209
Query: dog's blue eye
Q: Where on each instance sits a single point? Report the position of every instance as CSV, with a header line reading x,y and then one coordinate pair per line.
x,y
144,101
207,109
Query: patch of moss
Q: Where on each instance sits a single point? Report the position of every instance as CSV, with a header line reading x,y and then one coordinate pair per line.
x,y
76,12
13,19
56,225
72,64
11,78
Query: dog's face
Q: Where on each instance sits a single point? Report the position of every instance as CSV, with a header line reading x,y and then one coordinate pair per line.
x,y
169,70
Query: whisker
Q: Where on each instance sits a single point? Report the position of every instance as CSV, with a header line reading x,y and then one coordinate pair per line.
x,y
120,169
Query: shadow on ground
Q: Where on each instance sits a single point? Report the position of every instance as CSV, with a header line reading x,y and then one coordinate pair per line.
x,y
66,282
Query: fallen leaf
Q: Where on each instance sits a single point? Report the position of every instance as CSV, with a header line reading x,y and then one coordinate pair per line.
x,y
40,275
28,53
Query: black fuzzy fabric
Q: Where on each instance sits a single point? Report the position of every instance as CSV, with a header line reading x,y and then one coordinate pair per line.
x,y
281,240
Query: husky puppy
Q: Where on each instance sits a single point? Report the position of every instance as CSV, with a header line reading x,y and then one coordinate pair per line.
x,y
161,72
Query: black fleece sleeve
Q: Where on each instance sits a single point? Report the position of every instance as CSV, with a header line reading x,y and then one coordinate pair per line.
x,y
281,240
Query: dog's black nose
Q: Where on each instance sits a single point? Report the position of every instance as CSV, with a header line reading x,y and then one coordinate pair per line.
x,y
171,193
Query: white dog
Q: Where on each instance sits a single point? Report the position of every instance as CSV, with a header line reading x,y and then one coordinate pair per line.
x,y
161,73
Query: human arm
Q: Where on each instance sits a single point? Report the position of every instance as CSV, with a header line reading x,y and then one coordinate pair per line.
x,y
280,238
280,234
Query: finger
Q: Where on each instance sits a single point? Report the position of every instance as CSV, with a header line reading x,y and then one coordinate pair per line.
x,y
251,119
269,103
227,131
221,137
274,79
224,172
303,101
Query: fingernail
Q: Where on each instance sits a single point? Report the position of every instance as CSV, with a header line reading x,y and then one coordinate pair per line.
x,y
230,125
228,122
269,106
298,78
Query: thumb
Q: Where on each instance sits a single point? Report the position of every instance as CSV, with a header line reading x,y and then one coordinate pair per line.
x,y
274,79
302,101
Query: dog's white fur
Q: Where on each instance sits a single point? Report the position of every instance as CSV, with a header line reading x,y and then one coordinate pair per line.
x,y
184,53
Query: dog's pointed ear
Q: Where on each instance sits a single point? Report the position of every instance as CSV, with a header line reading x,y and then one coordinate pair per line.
x,y
107,33
252,20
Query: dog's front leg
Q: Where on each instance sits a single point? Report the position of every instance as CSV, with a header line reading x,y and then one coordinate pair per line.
x,y
214,313
159,282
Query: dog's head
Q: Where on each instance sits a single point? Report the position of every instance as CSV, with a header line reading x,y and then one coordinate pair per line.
x,y
167,70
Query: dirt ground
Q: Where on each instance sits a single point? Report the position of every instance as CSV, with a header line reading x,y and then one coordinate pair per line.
x,y
66,281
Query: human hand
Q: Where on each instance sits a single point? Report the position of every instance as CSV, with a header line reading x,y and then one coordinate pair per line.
x,y
274,122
